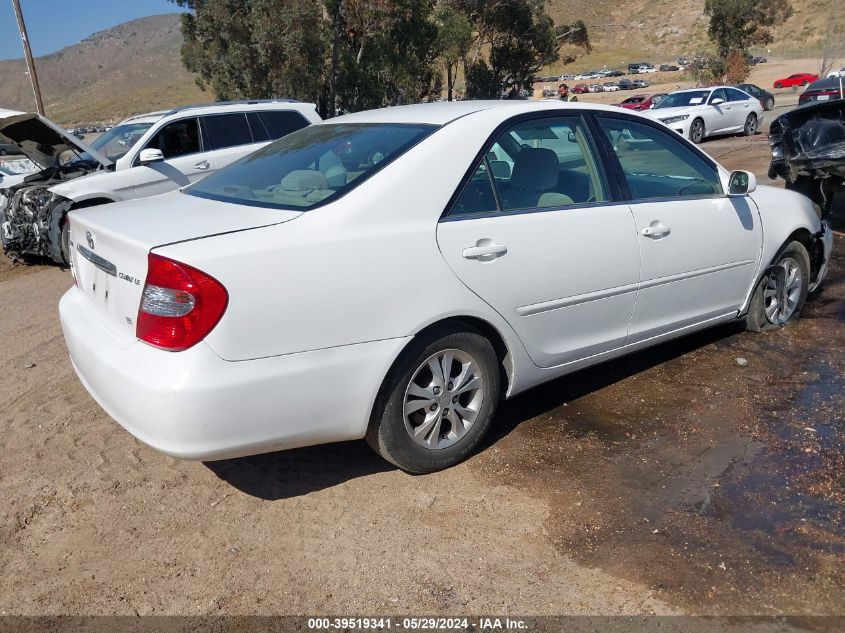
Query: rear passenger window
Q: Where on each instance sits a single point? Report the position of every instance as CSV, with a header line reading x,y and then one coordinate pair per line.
x,y
477,196
736,95
279,123
227,130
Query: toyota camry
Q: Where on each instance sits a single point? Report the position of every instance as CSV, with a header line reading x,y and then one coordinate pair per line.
x,y
394,274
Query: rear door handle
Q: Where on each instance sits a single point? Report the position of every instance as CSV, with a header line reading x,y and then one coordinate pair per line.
x,y
203,165
656,230
484,249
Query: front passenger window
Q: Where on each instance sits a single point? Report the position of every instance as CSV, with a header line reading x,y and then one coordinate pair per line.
x,y
657,164
177,138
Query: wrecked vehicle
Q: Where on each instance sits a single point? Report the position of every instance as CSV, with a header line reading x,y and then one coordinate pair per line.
x,y
808,151
30,216
143,156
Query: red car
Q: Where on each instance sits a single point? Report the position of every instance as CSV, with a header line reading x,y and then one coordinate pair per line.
x,y
581,89
798,79
637,102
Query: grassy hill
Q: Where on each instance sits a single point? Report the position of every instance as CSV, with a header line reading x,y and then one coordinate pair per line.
x,y
661,30
130,68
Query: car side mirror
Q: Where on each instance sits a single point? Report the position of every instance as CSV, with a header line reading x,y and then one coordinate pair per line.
x,y
741,183
717,101
150,155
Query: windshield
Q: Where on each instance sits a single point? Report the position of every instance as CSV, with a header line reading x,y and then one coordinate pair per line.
x,y
312,166
682,99
117,141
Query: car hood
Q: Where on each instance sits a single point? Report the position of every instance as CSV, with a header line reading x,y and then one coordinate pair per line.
x,y
41,140
665,113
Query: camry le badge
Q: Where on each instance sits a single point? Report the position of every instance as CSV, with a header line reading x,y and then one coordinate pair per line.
x,y
90,239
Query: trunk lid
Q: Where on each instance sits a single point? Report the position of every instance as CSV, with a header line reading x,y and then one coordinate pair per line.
x,y
109,244
41,140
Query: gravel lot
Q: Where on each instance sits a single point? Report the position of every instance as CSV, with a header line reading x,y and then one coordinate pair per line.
x,y
672,481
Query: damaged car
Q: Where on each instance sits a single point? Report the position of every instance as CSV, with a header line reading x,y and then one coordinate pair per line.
x,y
808,151
143,156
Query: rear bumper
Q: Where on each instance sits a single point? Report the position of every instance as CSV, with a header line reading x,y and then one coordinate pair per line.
x,y
194,405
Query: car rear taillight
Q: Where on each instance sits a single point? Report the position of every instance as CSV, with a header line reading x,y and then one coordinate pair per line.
x,y
180,305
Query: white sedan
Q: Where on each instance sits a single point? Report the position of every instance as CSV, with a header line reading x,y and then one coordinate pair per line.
x,y
469,252
701,112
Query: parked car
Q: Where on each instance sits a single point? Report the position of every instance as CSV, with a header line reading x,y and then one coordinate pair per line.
x,y
798,79
222,333
580,89
634,67
759,60
668,68
142,156
596,88
637,102
683,61
625,84
616,73
640,83
610,87
567,77
701,112
766,98
646,68
828,89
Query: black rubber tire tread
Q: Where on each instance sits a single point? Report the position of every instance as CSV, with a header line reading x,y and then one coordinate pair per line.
x,y
386,433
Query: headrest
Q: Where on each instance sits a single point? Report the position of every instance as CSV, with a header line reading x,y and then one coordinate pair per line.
x,y
304,180
535,168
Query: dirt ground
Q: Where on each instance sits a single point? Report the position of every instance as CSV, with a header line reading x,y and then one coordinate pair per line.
x,y
673,481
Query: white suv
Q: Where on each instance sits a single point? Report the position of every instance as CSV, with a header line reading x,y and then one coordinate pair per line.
x,y
142,156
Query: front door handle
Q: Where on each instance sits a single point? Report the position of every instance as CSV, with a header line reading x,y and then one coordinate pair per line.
x,y
203,165
656,230
484,250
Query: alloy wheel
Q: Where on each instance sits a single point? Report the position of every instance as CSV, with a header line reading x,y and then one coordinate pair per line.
x,y
783,291
697,133
443,399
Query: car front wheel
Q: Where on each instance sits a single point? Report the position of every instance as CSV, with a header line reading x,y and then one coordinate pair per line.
x,y
696,131
780,294
770,103
437,402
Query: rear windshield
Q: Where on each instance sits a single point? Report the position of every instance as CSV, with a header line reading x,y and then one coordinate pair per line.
x,y
312,166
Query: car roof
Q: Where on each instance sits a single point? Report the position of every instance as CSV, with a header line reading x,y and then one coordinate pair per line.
x,y
216,107
441,113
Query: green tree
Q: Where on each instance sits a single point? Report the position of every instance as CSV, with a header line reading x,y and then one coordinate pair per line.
x,y
737,24
454,39
521,38
254,48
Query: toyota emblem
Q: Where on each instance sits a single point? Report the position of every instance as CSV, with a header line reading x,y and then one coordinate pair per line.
x,y
90,239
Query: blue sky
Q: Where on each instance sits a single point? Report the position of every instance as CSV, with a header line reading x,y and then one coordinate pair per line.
x,y
54,24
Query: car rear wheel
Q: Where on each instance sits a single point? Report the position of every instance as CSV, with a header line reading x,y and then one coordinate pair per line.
x,y
750,128
696,131
437,402
778,84
770,103
780,294
805,83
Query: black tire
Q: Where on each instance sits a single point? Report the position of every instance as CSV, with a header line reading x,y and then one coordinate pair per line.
x,y
387,434
778,85
66,241
750,128
697,131
2,152
756,319
770,104
805,83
